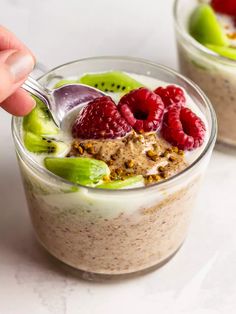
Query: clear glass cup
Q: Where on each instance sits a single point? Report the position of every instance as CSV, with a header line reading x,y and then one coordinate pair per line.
x,y
216,75
113,232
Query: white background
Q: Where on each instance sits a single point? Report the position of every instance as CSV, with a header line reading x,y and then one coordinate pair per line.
x,y
201,278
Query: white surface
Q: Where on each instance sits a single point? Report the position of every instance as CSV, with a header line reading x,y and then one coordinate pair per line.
x,y
201,279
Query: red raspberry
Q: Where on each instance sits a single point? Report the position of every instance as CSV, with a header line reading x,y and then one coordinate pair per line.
x,y
142,109
224,6
100,119
183,128
171,95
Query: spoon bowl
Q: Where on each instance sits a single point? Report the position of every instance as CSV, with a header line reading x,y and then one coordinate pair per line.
x,y
60,101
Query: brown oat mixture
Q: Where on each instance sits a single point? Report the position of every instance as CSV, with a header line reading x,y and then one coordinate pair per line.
x,y
119,245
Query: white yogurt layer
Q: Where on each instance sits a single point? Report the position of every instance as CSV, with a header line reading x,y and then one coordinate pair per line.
x,y
228,24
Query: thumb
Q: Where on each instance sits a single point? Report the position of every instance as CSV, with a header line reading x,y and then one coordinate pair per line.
x,y
13,71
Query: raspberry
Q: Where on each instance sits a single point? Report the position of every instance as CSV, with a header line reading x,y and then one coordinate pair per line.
x,y
142,109
183,128
224,6
171,95
100,119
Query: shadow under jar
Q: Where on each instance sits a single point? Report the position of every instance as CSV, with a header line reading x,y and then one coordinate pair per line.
x,y
113,232
216,75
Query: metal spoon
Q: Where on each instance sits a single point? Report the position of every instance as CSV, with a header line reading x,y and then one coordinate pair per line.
x,y
61,100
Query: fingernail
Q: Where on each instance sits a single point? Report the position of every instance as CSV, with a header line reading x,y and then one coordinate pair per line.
x,y
20,64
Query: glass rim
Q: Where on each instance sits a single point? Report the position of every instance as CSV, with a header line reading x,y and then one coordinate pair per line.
x,y
212,138
195,44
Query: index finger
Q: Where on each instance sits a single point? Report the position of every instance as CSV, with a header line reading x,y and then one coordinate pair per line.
x,y
9,41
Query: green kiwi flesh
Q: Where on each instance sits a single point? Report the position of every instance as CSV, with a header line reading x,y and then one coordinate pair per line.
x,y
223,51
135,181
38,121
80,170
65,82
43,145
114,82
205,28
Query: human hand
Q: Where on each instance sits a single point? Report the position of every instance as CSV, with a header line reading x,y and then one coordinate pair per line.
x,y
16,62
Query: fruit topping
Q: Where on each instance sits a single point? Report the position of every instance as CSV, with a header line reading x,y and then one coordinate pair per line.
x,y
183,128
65,82
113,81
39,144
131,182
223,51
38,121
100,119
205,28
80,170
142,109
171,95
224,6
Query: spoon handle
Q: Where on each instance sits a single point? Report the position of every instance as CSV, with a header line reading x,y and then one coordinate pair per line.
x,y
33,87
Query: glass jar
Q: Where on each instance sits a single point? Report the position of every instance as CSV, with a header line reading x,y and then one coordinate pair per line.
x,y
113,232
216,75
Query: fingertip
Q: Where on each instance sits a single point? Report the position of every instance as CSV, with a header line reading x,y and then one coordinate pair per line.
x,y
15,66
19,104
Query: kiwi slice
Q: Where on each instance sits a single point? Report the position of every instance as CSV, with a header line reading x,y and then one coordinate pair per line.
x,y
223,51
205,28
113,82
135,181
65,82
38,121
43,145
82,170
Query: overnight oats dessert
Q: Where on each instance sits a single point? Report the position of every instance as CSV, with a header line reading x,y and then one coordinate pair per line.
x,y
111,192
206,37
